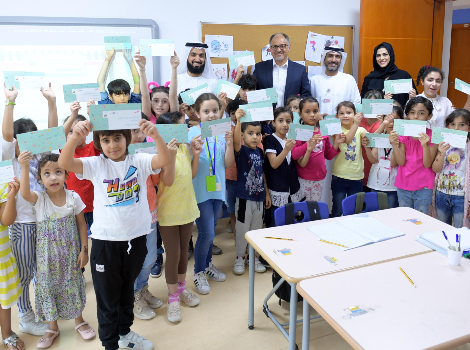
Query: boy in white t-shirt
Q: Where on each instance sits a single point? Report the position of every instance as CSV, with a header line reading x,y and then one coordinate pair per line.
x,y
122,221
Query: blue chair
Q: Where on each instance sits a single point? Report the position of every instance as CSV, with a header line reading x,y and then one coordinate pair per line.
x,y
371,203
301,213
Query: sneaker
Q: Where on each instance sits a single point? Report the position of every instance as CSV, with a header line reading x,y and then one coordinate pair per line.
x,y
135,342
173,312
263,262
157,267
228,228
259,267
200,281
216,250
141,308
152,301
214,273
239,266
30,326
189,298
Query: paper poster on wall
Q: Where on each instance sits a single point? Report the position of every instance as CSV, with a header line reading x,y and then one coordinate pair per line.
x,y
314,47
334,41
266,53
232,72
220,70
220,45
313,70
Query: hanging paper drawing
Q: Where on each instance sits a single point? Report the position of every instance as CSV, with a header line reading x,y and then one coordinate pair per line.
x,y
334,41
220,70
266,53
314,47
220,45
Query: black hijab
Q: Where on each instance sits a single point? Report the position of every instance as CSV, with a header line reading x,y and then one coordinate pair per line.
x,y
378,75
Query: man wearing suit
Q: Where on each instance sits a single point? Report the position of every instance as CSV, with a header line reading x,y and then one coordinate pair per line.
x,y
287,77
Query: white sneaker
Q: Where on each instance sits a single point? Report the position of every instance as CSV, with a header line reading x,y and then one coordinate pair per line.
x,y
189,298
135,342
141,308
173,312
30,326
200,281
214,273
229,227
152,301
239,266
259,267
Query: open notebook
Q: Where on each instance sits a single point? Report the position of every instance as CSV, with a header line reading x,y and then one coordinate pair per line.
x,y
354,232
435,240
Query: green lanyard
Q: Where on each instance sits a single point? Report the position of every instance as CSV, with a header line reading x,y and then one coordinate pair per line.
x,y
211,157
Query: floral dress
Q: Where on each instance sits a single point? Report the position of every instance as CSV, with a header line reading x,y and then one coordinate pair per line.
x,y
60,292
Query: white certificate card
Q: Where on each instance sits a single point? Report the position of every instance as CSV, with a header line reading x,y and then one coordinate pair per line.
x,y
230,90
124,119
257,96
162,49
194,95
458,141
381,142
6,172
31,82
402,88
260,114
413,129
221,128
382,108
303,134
246,61
86,94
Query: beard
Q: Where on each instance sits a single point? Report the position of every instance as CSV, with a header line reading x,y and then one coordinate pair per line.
x,y
332,69
195,70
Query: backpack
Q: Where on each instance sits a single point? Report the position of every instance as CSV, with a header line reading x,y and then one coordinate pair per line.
x,y
382,197
283,292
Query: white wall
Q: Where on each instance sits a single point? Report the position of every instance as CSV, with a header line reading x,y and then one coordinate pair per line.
x,y
180,19
461,4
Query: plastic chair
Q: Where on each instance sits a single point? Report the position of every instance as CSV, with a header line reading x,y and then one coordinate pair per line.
x,y
371,203
303,216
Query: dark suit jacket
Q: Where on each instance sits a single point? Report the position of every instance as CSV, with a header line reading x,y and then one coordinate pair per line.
x,y
296,82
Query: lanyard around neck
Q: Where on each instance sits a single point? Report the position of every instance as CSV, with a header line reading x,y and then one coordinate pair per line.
x,y
211,157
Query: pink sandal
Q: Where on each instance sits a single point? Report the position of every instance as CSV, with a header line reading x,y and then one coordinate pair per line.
x,y
87,334
44,343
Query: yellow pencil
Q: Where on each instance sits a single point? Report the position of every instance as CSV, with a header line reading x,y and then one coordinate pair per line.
x,y
340,245
409,279
284,239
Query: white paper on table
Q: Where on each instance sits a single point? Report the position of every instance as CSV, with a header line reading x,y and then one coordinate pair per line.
x,y
381,142
194,95
266,53
458,141
246,61
6,174
402,88
382,108
229,90
219,45
334,128
149,150
86,94
304,134
413,129
370,115
465,89
125,119
257,96
221,128
260,114
30,82
159,49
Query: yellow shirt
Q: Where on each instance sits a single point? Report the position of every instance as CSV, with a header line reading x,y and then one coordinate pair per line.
x,y
349,164
177,203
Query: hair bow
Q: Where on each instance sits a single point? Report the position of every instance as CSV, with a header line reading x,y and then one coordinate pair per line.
x,y
154,84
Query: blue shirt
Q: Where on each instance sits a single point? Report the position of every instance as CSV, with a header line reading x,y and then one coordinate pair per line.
x,y
250,182
199,182
105,100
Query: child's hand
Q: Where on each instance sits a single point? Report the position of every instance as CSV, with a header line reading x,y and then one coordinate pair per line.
x,y
173,148
311,144
339,138
223,99
393,138
388,119
127,54
290,144
317,138
88,104
49,93
240,71
229,138
358,118
239,114
364,140
424,139
193,123
83,258
12,94
110,53
13,188
388,96
184,108
24,159
74,108
174,61
268,200
443,148
196,145
412,93
81,129
323,115
148,128
140,60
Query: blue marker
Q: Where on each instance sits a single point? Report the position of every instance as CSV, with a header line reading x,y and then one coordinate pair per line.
x,y
446,239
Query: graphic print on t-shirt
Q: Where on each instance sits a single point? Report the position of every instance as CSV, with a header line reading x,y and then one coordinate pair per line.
x,y
350,153
254,179
452,176
125,192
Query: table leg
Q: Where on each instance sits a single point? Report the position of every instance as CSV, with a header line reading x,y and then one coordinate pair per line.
x,y
251,289
306,326
293,316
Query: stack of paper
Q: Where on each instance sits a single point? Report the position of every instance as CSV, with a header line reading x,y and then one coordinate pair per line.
x,y
436,240
354,232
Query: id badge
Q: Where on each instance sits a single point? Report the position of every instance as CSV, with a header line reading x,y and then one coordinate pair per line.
x,y
384,163
211,185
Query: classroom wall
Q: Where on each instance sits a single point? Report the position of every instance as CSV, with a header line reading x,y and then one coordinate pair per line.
x,y
180,20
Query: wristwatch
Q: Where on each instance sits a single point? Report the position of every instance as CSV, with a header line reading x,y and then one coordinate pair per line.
x,y
8,102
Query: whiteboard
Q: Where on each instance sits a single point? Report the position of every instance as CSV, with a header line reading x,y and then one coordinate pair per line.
x,y
70,51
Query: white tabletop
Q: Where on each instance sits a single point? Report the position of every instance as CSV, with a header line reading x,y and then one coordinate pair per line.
x,y
307,259
434,315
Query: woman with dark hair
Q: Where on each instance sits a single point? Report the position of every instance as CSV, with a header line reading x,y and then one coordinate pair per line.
x,y
385,69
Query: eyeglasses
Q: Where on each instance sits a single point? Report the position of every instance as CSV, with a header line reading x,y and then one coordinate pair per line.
x,y
282,47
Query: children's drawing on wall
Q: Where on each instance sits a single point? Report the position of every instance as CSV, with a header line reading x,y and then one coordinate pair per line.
x,y
220,70
334,41
314,47
220,45
266,53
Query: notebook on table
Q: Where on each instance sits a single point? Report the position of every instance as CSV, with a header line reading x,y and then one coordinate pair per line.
x,y
435,240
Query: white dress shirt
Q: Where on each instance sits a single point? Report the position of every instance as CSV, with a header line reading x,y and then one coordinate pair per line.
x,y
279,81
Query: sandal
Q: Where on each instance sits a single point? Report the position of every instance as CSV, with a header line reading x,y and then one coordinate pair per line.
x,y
44,343
87,334
11,340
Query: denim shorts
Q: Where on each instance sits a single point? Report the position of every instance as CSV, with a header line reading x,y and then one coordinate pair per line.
x,y
450,208
419,200
231,187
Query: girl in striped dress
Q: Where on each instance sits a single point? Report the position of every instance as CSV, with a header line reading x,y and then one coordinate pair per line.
x,y
10,287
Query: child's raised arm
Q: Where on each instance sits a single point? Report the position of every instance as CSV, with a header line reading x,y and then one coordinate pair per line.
x,y
52,119
167,175
229,157
104,69
25,190
8,208
7,125
237,134
135,75
275,160
352,132
385,122
196,148
163,158
67,160
175,62
399,152
429,152
74,108
372,153
441,155
146,103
